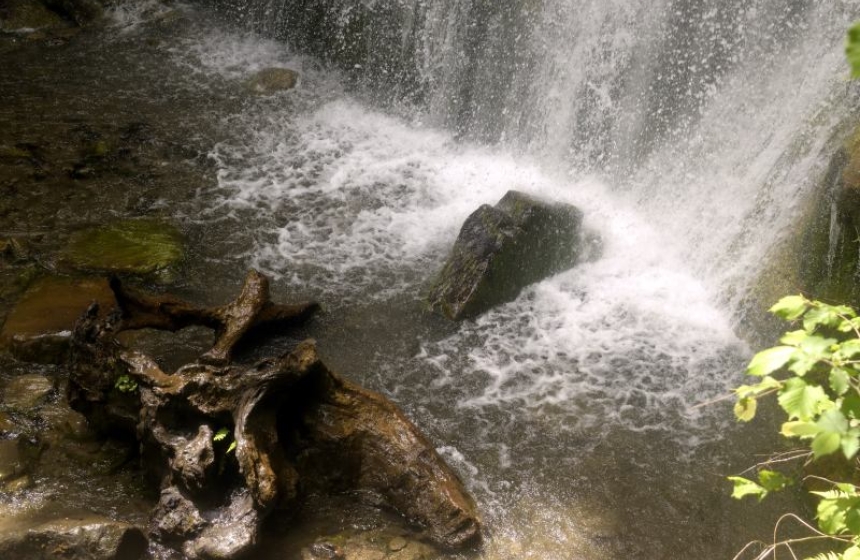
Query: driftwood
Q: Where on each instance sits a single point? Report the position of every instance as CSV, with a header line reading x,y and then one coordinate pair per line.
x,y
287,424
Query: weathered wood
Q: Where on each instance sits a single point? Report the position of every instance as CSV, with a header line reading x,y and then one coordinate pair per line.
x,y
215,494
253,309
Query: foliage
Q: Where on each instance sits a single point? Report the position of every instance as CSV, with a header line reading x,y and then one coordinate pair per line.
x,y
125,384
221,435
815,375
852,49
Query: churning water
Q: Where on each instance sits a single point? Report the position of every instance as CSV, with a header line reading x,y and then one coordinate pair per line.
x,y
689,133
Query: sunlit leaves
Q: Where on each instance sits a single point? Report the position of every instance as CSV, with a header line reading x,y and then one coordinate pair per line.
x,y
221,434
852,49
790,307
770,360
745,409
801,400
768,481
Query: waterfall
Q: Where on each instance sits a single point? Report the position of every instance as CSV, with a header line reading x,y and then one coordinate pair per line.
x,y
716,118
692,134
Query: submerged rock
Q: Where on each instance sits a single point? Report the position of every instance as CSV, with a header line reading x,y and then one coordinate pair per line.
x,y
27,15
140,247
39,327
26,392
369,545
272,80
502,249
87,537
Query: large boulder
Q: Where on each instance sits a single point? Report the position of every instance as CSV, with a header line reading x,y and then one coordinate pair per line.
x,y
84,537
40,326
504,248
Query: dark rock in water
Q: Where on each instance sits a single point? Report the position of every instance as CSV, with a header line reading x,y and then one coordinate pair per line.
x,y
147,248
272,80
18,15
86,537
26,392
502,249
17,458
81,12
39,327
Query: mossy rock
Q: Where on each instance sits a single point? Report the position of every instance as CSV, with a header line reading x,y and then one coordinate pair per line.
x,y
502,249
147,248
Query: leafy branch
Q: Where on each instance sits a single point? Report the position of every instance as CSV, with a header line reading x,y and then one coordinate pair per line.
x,y
815,375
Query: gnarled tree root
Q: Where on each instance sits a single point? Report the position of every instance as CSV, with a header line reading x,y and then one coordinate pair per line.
x,y
230,443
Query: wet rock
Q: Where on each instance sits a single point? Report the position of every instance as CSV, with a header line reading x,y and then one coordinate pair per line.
x,y
30,15
39,327
64,425
12,463
147,248
17,485
26,392
7,424
272,80
502,249
87,537
14,249
81,12
323,551
370,545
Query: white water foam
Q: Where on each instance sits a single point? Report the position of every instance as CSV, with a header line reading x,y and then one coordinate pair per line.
x,y
370,206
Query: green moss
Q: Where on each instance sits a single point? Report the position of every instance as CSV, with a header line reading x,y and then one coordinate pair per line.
x,y
140,247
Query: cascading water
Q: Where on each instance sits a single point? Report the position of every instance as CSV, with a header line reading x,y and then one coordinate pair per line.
x,y
690,133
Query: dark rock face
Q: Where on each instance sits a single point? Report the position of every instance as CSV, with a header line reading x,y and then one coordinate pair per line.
x,y
85,538
502,249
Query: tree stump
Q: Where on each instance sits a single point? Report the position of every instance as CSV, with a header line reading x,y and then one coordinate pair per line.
x,y
230,443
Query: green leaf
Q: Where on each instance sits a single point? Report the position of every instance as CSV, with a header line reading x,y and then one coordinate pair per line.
x,y
834,426
840,381
770,360
232,446
794,338
773,481
825,443
745,409
849,348
744,487
802,401
851,444
852,49
823,315
833,421
790,307
800,429
851,406
852,553
221,434
767,383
